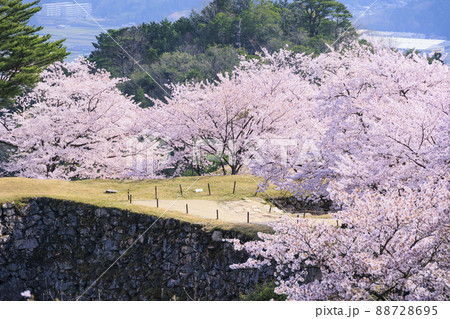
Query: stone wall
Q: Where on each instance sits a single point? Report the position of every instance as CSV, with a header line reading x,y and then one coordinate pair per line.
x,y
57,249
295,206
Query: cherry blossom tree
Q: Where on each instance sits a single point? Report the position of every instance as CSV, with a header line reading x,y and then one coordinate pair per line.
x,y
225,121
74,124
383,157
395,247
390,116
386,119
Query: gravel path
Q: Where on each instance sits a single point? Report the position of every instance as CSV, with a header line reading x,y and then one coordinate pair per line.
x,y
230,211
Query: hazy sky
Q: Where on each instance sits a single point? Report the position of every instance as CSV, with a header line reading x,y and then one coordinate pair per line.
x,y
120,12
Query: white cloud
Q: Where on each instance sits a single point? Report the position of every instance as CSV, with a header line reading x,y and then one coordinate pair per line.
x,y
178,14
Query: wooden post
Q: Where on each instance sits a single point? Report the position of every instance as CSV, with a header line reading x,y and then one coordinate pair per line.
x,y
337,223
181,190
156,192
234,187
217,214
131,199
157,202
187,209
304,214
209,189
270,209
128,194
297,217
248,217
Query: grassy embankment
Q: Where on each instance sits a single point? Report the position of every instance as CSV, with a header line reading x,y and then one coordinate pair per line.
x,y
93,192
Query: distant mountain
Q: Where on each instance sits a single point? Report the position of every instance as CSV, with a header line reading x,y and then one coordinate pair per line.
x,y
138,11
429,17
80,33
129,12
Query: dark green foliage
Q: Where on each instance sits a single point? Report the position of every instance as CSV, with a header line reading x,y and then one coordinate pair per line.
x,y
5,151
209,42
436,56
23,53
264,292
318,12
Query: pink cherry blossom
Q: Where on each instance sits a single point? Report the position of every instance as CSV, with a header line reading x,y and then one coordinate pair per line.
x,y
395,247
74,124
379,118
226,120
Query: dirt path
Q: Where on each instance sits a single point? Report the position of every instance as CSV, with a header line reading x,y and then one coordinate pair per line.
x,y
230,211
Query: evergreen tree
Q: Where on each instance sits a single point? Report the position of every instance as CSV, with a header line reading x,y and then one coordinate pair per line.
x,y
317,11
24,54
199,46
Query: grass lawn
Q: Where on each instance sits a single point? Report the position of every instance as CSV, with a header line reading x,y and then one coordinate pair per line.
x,y
93,192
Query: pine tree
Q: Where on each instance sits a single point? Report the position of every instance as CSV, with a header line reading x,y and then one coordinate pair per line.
x,y
24,54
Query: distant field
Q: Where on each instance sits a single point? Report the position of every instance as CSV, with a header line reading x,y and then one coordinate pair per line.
x,y
93,192
79,39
